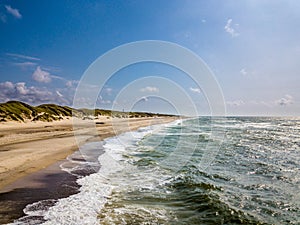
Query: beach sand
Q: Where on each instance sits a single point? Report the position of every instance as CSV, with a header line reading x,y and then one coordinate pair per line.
x,y
30,155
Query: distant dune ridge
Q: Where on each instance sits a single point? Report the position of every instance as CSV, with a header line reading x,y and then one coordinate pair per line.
x,y
35,137
22,112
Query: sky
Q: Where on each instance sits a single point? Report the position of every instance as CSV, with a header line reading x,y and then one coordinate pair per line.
x,y
251,46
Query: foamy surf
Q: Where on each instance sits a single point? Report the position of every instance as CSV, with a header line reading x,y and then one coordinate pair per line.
x,y
139,181
85,206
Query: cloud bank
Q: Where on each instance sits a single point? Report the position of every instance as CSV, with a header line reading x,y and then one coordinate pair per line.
x,y
33,95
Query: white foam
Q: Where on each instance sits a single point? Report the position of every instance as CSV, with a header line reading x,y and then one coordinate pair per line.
x,y
38,208
245,125
84,207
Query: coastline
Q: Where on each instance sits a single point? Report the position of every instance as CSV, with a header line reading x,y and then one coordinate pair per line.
x,y
30,155
49,183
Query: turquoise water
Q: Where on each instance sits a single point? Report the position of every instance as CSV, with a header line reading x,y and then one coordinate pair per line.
x,y
233,170
254,178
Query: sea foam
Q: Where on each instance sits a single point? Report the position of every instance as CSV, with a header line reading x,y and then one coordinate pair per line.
x,y
85,206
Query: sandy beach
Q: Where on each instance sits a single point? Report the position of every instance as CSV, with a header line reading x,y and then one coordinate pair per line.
x,y
31,154
29,147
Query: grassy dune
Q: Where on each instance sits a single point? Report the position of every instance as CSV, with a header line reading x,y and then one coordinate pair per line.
x,y
22,112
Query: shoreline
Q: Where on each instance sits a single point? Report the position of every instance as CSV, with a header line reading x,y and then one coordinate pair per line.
x,y
37,177
49,183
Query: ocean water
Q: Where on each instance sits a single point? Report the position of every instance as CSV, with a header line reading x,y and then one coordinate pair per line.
x,y
234,170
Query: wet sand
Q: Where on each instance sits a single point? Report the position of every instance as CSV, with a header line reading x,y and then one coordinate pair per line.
x,y
49,183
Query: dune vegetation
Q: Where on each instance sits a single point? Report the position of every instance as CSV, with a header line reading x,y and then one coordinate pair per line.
x,y
22,112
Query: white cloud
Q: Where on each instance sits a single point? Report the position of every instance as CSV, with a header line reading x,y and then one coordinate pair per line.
x,y
203,21
150,89
243,72
14,12
145,99
195,90
7,84
25,64
23,56
103,101
57,77
285,101
33,95
108,90
59,94
21,88
229,29
264,103
52,69
235,103
7,90
41,76
71,83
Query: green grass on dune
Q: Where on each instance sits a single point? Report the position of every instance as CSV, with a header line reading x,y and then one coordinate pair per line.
x,y
19,111
16,111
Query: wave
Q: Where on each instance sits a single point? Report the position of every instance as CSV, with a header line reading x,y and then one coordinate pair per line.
x,y
96,181
151,176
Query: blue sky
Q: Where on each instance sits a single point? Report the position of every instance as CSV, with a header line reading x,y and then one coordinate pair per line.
x,y
252,47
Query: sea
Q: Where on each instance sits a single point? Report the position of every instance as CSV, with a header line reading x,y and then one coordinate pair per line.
x,y
206,170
